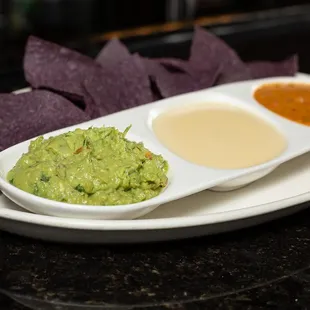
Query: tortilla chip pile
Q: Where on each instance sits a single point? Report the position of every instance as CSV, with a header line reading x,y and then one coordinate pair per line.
x,y
70,88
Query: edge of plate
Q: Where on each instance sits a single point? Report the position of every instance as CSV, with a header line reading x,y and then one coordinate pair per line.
x,y
155,224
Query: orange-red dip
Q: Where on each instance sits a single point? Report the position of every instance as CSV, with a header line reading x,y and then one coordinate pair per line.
x,y
290,100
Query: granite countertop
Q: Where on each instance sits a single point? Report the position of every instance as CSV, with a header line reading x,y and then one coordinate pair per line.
x,y
257,268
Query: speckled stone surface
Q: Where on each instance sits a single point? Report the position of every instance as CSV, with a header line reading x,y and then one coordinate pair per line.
x,y
265,267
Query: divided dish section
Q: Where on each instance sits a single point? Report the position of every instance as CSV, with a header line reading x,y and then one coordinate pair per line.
x,y
38,204
247,91
272,138
289,99
296,132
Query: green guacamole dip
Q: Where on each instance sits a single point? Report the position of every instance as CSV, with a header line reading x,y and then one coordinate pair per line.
x,y
97,166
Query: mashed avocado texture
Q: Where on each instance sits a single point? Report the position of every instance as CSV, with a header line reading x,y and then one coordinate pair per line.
x,y
96,166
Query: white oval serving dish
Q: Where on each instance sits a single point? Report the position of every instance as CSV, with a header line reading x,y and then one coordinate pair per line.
x,y
185,178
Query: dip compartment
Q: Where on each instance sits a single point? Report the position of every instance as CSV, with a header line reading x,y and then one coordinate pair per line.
x,y
290,100
40,205
188,117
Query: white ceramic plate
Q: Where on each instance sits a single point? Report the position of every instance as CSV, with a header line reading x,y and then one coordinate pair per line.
x,y
278,194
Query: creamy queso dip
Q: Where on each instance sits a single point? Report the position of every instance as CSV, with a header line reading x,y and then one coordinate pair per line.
x,y
218,136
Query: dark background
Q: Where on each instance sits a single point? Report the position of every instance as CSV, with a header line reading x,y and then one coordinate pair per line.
x,y
266,29
62,19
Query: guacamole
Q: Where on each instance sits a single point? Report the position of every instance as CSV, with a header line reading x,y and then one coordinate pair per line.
x,y
96,166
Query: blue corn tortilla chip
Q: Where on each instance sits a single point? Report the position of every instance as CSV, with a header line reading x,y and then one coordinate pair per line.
x,y
204,77
210,54
169,83
156,95
53,67
176,65
233,76
264,69
27,115
123,86
112,53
